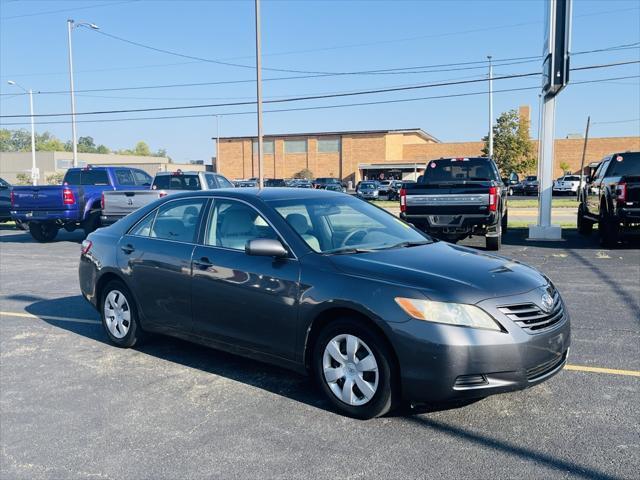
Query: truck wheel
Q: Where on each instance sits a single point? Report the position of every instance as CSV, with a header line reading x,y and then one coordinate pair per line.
x,y
493,243
585,226
609,232
91,223
43,231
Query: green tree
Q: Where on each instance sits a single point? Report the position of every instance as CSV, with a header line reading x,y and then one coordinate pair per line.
x,y
304,173
512,148
565,167
55,178
102,149
45,142
142,149
86,145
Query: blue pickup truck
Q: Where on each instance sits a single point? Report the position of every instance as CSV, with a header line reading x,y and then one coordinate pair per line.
x,y
74,204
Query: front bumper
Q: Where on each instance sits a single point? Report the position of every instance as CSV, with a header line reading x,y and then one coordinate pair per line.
x,y
441,363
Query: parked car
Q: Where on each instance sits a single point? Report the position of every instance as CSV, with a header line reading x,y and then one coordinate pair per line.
x,y
511,182
394,190
529,185
325,283
457,198
326,183
74,204
567,184
368,190
246,184
275,182
118,204
302,183
611,198
5,201
384,187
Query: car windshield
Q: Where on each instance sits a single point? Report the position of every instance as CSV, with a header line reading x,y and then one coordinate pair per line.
x,y
624,164
459,169
367,185
531,178
333,225
572,178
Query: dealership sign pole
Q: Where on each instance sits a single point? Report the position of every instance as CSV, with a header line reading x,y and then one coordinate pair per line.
x,y
259,94
555,76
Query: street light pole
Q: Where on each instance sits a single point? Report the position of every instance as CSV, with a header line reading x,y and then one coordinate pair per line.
x,y
259,94
490,107
34,170
217,143
74,140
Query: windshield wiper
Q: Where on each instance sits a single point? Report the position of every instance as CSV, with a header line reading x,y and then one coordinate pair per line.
x,y
415,243
348,250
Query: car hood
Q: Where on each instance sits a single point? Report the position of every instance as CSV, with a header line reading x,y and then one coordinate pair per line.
x,y
444,272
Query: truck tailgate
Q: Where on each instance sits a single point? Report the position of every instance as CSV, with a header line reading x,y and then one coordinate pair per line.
x,y
121,203
423,199
37,198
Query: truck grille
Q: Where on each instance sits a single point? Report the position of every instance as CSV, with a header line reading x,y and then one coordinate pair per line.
x,y
532,318
546,367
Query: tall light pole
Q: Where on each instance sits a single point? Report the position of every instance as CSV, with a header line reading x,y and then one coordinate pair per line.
x,y
259,94
71,24
490,107
34,170
218,143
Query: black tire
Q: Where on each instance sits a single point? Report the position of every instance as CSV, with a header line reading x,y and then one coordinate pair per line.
x,y
43,231
585,226
609,230
386,395
493,243
91,223
134,331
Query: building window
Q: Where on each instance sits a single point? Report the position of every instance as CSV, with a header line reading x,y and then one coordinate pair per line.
x,y
267,147
328,145
295,146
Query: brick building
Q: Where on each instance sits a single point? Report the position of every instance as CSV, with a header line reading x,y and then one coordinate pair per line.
x,y
354,155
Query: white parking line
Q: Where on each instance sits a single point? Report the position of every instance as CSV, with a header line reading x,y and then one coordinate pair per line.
x,y
49,317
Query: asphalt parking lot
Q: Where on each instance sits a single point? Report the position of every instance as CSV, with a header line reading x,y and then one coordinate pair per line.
x,y
73,406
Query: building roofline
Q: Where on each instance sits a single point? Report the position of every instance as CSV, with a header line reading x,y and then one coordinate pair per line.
x,y
418,131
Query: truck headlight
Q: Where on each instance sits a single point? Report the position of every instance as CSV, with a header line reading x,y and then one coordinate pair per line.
x,y
449,313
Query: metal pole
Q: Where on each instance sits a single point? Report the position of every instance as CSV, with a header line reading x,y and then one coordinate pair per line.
x,y
217,143
259,94
34,177
74,141
490,108
584,154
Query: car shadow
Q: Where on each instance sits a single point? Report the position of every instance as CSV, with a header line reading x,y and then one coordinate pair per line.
x,y
571,239
525,453
22,236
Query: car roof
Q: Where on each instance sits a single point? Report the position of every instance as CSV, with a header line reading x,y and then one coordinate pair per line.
x,y
271,193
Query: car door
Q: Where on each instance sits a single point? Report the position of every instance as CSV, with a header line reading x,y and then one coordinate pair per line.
x,y
594,188
156,254
249,301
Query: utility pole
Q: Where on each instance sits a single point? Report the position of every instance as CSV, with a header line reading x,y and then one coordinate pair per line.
x,y
259,94
217,143
490,107
584,154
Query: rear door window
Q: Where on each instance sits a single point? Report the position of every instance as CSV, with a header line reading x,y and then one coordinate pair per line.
x,y
125,177
142,178
176,182
178,220
223,182
211,181
94,177
72,177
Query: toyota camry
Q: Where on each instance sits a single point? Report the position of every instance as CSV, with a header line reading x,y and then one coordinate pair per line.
x,y
324,283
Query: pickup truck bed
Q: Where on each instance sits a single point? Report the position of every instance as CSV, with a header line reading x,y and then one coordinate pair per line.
x,y
457,198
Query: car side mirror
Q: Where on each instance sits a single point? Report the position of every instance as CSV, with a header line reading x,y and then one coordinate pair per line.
x,y
266,247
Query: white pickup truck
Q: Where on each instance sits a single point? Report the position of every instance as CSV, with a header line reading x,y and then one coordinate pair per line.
x,y
119,204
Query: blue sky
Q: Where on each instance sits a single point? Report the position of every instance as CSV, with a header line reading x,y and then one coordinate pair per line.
x,y
326,36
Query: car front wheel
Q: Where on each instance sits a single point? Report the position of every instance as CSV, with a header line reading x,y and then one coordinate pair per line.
x,y
354,368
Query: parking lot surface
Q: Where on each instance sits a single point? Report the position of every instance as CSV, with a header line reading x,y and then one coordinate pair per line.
x,y
73,406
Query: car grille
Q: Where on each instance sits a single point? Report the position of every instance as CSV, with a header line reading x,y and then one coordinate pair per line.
x,y
532,318
546,367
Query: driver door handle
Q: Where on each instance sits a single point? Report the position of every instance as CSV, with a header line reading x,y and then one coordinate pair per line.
x,y
128,248
203,263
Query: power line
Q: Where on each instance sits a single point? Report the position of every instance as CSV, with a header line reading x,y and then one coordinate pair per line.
x,y
49,12
400,70
322,107
617,121
320,97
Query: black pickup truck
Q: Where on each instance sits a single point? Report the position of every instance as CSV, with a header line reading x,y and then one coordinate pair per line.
x,y
457,198
611,198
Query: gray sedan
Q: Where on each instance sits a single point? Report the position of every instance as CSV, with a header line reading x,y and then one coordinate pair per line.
x,y
324,283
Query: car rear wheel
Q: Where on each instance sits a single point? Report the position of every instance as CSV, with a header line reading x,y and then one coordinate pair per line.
x,y
354,368
585,226
43,231
119,315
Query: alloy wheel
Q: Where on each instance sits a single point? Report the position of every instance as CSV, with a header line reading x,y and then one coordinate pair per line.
x,y
350,369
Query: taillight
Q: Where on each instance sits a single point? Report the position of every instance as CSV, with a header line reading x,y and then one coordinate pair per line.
x,y
86,246
403,200
162,194
13,199
102,201
493,199
621,191
67,197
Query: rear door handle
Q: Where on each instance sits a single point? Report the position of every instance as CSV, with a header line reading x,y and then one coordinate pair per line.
x,y
203,263
128,248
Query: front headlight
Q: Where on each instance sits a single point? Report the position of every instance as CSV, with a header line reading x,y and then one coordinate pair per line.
x,y
449,313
